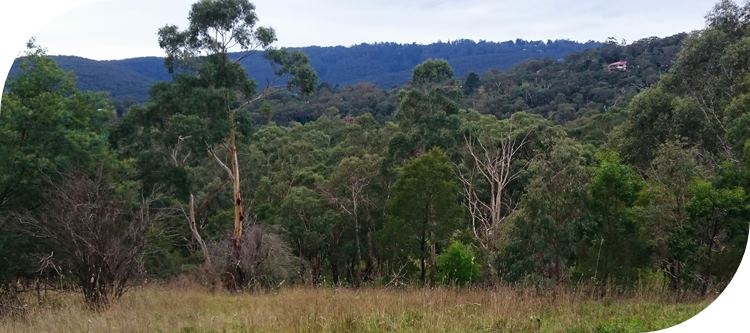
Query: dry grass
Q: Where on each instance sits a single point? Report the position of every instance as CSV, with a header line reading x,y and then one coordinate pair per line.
x,y
161,309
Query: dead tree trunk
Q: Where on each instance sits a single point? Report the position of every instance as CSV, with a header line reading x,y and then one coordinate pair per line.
x,y
178,160
238,214
190,216
235,279
239,275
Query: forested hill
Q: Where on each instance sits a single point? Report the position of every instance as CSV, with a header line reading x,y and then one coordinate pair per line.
x,y
577,89
389,64
579,85
384,64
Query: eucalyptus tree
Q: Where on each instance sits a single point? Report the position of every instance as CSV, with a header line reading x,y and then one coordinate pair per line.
x,y
718,232
424,209
202,115
46,127
609,247
494,160
704,97
428,111
712,71
662,208
541,241
286,164
348,189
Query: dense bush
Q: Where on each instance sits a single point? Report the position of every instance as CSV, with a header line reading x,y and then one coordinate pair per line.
x,y
457,265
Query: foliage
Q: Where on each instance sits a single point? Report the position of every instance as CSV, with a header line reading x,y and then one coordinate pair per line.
x,y
433,71
719,228
542,238
457,265
609,247
471,84
427,112
47,127
686,135
423,210
578,85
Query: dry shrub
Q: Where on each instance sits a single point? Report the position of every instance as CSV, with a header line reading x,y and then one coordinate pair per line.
x,y
10,304
200,278
187,281
265,260
96,233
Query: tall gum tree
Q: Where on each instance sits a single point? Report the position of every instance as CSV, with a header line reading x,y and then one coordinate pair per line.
x,y
495,157
216,28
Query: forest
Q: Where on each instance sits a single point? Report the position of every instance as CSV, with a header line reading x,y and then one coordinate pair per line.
x,y
387,65
554,177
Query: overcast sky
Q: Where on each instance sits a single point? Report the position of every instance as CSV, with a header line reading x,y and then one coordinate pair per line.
x,y
116,29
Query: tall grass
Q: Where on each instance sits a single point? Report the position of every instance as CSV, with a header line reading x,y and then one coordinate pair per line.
x,y
171,309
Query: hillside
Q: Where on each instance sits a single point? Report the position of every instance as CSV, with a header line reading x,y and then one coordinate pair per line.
x,y
385,64
576,89
580,84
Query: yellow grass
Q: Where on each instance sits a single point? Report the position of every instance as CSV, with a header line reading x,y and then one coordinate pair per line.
x,y
161,309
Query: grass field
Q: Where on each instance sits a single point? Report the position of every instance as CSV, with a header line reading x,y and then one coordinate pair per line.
x,y
161,309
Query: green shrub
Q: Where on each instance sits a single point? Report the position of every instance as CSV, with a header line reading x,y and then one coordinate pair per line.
x,y
457,265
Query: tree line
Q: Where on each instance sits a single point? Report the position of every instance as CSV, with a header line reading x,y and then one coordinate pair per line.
x,y
386,65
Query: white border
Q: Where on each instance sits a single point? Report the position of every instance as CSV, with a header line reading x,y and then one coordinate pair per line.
x,y
20,19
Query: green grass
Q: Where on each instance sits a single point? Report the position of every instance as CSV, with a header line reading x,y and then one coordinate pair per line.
x,y
193,310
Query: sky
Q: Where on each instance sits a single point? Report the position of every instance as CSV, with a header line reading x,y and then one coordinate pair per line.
x,y
116,29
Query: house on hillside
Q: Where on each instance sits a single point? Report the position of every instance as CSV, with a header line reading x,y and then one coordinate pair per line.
x,y
621,66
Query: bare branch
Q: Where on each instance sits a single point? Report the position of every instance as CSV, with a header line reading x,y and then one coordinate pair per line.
x,y
495,164
98,236
221,163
